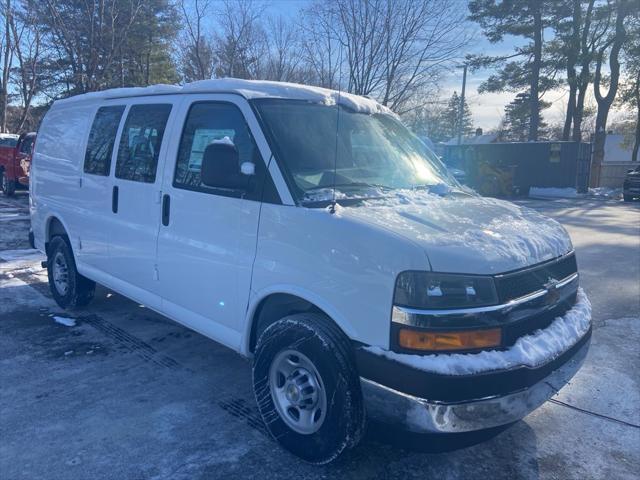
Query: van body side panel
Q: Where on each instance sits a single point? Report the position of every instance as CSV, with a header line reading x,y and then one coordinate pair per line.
x,y
133,228
206,252
335,263
56,171
94,200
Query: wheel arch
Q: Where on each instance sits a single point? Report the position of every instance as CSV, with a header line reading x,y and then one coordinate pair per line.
x,y
277,303
54,226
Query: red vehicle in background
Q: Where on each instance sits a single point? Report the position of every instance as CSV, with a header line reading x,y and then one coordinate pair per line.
x,y
15,161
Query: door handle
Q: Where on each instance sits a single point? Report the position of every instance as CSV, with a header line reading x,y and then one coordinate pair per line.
x,y
114,199
166,209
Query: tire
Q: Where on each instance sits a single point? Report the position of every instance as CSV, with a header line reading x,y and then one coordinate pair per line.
x,y
7,186
68,287
336,424
627,198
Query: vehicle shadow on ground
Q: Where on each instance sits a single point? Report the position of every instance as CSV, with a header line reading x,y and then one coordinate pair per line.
x,y
428,443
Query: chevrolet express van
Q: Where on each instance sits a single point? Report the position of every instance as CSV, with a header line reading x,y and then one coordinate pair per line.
x,y
309,230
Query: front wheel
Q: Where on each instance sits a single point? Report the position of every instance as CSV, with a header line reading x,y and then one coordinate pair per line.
x,y
68,287
8,186
307,387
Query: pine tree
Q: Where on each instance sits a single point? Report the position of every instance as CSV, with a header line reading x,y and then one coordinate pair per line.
x,y
517,119
451,118
527,67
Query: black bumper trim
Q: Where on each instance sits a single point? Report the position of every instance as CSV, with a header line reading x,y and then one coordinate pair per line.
x,y
456,388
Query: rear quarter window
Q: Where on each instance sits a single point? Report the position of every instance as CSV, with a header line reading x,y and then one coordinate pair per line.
x,y
102,137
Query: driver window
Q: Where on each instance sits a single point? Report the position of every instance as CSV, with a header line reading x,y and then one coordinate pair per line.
x,y
206,123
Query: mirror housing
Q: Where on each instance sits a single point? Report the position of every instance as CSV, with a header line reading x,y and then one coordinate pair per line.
x,y
221,168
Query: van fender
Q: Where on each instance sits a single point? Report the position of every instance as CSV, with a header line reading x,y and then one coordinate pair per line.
x,y
47,230
304,294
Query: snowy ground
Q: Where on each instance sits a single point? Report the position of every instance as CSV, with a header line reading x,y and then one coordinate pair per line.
x,y
116,391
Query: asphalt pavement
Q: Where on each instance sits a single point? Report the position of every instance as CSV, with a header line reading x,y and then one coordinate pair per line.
x,y
115,391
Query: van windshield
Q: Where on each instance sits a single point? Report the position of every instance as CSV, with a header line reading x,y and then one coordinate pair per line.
x,y
364,155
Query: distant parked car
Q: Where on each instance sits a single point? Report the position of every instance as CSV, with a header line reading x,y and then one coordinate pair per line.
x,y
15,162
631,185
8,140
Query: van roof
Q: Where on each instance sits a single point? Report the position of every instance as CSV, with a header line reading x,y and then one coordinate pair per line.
x,y
249,89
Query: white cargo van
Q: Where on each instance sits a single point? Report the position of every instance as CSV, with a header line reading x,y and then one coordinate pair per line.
x,y
311,231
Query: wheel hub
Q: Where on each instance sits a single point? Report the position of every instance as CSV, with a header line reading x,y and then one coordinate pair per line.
x,y
60,272
297,391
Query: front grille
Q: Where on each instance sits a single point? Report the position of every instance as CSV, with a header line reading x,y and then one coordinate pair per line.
x,y
523,282
511,332
632,182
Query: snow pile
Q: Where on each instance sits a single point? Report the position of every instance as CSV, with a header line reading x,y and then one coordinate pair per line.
x,y
531,350
249,89
553,192
67,322
606,192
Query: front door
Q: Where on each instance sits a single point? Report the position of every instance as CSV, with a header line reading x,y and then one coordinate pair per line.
x,y
207,241
135,199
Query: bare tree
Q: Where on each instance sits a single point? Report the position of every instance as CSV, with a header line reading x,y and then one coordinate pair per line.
x,y
241,44
197,56
27,41
284,56
321,48
423,38
6,56
393,49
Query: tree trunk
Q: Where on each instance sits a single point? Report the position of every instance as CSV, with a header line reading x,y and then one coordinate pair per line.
x,y
599,140
586,54
535,70
605,101
572,60
578,112
6,65
571,109
636,143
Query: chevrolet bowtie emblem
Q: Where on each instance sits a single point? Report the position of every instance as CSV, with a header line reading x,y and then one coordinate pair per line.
x,y
553,296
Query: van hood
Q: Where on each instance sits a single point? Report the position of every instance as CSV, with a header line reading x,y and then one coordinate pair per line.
x,y
472,234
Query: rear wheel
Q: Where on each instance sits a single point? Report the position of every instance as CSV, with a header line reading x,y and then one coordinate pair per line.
x,y
68,287
627,198
8,186
307,387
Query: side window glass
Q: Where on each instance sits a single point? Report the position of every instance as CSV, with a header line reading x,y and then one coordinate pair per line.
x,y
141,141
208,122
26,145
97,159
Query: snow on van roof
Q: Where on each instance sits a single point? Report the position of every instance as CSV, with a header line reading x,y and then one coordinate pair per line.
x,y
247,88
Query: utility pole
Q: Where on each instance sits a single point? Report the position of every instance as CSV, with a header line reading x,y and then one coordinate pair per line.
x,y
461,111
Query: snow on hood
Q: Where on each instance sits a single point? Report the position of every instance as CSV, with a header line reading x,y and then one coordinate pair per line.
x,y
532,350
247,88
468,234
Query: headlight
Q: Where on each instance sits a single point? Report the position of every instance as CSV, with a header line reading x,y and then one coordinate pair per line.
x,y
427,290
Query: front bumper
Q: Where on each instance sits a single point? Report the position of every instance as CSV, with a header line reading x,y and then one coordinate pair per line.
x,y
426,416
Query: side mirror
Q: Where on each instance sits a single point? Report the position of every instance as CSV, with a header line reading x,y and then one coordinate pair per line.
x,y
221,168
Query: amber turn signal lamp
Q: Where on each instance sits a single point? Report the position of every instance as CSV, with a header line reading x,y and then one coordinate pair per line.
x,y
460,340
